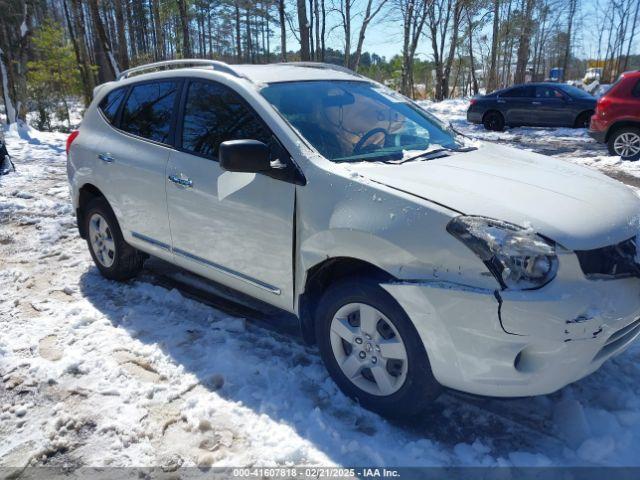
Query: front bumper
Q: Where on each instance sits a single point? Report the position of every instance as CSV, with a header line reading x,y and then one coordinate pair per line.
x,y
512,344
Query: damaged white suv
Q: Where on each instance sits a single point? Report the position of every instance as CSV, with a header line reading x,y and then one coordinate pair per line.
x,y
412,256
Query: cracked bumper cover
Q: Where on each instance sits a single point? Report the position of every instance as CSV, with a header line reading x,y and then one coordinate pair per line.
x,y
522,343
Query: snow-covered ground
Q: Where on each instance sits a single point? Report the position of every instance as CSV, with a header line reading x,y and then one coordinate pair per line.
x,y
97,373
568,143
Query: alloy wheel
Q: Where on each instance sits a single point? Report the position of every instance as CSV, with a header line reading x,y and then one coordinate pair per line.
x,y
369,349
101,239
627,144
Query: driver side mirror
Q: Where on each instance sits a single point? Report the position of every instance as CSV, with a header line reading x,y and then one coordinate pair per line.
x,y
251,156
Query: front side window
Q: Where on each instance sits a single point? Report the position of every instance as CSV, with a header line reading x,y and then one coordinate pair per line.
x,y
350,121
213,114
546,92
148,110
110,103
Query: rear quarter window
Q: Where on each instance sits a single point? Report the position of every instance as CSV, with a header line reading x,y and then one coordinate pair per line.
x,y
149,110
110,103
636,89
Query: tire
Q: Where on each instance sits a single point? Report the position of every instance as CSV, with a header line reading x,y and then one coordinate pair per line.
x,y
625,143
391,387
115,259
583,120
493,120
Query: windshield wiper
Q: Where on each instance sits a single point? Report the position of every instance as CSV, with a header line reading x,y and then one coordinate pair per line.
x,y
432,154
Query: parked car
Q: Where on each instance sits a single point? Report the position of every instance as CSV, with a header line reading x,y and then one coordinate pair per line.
x,y
616,121
412,256
533,104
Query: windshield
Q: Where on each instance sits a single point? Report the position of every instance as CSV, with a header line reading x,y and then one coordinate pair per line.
x,y
349,121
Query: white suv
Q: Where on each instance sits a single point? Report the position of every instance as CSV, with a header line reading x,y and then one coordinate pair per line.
x,y
412,256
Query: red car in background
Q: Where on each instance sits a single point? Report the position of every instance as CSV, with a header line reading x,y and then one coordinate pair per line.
x,y
617,118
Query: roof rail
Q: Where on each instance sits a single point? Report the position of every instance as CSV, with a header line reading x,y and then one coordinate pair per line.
x,y
324,66
217,65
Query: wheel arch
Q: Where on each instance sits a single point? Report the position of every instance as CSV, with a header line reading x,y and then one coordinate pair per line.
x,y
323,274
86,193
493,110
618,125
586,111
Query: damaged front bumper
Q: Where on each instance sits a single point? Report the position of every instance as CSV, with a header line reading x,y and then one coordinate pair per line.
x,y
522,343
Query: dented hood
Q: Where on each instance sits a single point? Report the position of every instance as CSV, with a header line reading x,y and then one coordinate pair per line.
x,y
576,206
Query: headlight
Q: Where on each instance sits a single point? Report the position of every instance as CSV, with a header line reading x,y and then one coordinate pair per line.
x,y
518,257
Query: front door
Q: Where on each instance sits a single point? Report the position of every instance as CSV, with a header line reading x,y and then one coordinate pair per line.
x,y
235,228
552,108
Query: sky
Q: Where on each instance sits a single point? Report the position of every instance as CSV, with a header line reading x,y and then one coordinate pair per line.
x,y
384,35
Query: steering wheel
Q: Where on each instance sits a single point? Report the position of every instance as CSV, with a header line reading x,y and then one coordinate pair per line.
x,y
374,131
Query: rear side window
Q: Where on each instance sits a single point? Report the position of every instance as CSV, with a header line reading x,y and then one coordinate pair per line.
x,y
213,114
110,103
519,92
148,110
545,92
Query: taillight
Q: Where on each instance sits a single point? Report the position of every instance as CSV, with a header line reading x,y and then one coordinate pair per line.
x,y
72,136
473,101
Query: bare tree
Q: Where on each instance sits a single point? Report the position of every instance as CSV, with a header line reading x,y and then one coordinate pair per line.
x,y
303,25
492,80
369,14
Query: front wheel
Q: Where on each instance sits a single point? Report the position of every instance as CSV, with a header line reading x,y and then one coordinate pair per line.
x,y
625,143
372,350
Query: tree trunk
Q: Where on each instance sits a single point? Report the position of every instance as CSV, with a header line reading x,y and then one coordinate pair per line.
x,y
322,35
316,14
86,72
238,36
567,51
346,23
303,24
283,31
524,42
107,69
159,47
492,82
457,11
368,16
184,23
123,55
87,86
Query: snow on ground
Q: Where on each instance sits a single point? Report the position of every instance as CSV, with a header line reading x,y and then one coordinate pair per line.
x,y
98,373
570,143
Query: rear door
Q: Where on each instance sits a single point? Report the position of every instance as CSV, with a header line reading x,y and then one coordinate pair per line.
x,y
516,105
136,155
235,228
552,107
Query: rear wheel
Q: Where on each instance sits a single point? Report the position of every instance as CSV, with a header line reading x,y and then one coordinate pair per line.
x,y
583,120
372,350
625,143
116,259
493,121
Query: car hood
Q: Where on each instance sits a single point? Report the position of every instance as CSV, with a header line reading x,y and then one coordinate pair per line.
x,y
576,206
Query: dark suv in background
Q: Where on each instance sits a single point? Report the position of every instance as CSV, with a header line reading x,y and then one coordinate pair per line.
x,y
533,104
617,118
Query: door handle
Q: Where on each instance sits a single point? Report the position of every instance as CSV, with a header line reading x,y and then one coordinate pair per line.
x,y
536,103
106,157
501,101
183,182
